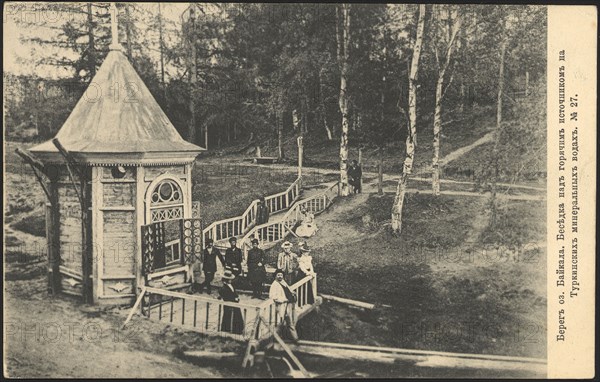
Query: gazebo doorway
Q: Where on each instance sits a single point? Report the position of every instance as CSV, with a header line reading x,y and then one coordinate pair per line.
x,y
168,239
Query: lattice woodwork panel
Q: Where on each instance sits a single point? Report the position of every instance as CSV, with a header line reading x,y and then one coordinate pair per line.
x,y
191,239
162,214
153,247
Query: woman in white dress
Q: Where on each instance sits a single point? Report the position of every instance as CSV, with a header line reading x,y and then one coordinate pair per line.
x,y
307,228
305,268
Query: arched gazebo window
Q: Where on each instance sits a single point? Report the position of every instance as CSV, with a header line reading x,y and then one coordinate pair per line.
x,y
166,201
166,205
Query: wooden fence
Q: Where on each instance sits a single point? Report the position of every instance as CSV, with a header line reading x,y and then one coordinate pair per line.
x,y
222,230
275,231
205,314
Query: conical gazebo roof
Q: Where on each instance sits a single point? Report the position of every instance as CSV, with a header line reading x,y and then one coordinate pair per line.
x,y
118,121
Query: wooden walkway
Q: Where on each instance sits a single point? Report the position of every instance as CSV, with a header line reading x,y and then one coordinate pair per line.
x,y
204,313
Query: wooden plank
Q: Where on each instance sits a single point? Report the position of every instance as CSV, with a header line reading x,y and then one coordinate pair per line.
x,y
133,309
348,301
97,233
373,354
140,219
212,300
420,352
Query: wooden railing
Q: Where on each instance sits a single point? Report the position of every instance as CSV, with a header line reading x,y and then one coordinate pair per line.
x,y
195,312
269,314
240,225
283,200
275,231
205,314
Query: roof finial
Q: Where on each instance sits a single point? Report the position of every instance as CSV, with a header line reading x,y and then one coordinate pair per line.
x,y
114,24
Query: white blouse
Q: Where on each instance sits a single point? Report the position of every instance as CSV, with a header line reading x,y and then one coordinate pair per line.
x,y
305,264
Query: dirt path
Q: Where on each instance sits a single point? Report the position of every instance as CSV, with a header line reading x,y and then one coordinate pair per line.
x,y
463,150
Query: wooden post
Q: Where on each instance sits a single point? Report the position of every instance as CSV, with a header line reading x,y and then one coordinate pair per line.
x,y
53,241
360,165
380,175
86,255
300,155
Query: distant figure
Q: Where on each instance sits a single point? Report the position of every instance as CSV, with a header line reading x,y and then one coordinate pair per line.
x,y
354,176
256,269
209,263
287,261
305,268
262,212
232,322
307,227
234,257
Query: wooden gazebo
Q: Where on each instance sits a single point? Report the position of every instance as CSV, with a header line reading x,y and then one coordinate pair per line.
x,y
120,158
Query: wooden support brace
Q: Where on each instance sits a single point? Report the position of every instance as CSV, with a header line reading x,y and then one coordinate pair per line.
x,y
288,351
248,360
36,166
69,162
133,309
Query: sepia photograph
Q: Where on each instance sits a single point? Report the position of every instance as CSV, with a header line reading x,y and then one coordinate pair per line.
x,y
281,190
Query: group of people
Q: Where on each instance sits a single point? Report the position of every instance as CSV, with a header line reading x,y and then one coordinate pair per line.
x,y
291,268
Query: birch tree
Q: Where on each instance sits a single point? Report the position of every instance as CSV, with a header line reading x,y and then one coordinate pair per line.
x,y
411,138
343,44
446,26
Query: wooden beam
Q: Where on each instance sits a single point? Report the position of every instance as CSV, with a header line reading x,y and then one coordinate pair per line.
x,y
30,159
420,358
36,165
69,162
133,309
288,351
348,301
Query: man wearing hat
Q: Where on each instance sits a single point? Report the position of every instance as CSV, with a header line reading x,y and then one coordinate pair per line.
x,y
232,322
234,257
256,268
209,262
284,300
287,261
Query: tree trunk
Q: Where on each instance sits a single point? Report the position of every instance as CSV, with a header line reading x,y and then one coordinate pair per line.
x,y
280,153
193,77
439,95
411,138
162,59
323,112
343,100
380,175
128,33
437,130
497,132
91,47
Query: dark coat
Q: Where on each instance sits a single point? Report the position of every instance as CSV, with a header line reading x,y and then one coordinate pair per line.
x,y
255,272
354,173
233,321
233,260
262,214
209,260
310,298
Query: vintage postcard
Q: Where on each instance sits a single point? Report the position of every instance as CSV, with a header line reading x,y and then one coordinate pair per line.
x,y
299,190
